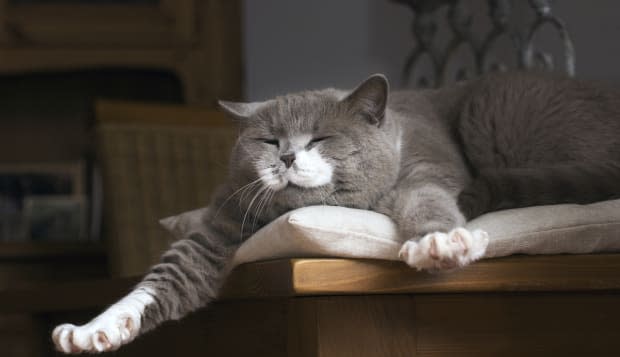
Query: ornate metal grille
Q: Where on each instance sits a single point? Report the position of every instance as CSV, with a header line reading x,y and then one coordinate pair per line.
x,y
430,65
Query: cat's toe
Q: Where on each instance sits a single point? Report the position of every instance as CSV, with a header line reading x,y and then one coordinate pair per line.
x,y
426,253
102,343
111,333
479,244
408,251
67,339
128,329
62,337
461,243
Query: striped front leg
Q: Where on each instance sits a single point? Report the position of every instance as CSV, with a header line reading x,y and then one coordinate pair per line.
x,y
188,277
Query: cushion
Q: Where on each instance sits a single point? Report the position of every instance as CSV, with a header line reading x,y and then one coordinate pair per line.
x,y
330,231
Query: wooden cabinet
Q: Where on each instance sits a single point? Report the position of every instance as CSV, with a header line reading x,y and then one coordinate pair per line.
x,y
198,40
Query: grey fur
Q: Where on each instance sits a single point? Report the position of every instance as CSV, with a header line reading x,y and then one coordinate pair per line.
x,y
408,156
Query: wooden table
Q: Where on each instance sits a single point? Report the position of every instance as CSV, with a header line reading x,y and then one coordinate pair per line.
x,y
517,306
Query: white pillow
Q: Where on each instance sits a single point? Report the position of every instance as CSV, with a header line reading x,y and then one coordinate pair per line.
x,y
330,231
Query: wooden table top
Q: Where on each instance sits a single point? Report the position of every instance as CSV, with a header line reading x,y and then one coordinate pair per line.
x,y
302,277
313,277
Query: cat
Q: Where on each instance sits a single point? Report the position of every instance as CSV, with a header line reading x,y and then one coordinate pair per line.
x,y
429,159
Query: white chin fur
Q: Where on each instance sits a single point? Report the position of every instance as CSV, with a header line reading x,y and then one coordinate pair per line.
x,y
309,170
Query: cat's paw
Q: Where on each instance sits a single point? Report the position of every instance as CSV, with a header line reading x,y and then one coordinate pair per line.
x,y
437,251
107,332
116,326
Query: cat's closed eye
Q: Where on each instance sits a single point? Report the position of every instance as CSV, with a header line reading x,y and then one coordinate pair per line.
x,y
317,140
274,142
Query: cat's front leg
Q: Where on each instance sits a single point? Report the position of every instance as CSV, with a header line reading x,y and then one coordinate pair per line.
x,y
430,218
188,277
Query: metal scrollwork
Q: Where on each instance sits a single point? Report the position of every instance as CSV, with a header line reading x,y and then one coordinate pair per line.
x,y
533,57
499,12
479,47
460,22
424,28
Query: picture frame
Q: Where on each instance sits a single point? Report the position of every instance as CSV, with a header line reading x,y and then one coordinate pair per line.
x,y
55,218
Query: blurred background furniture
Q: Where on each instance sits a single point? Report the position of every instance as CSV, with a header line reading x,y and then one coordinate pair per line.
x,y
56,59
157,160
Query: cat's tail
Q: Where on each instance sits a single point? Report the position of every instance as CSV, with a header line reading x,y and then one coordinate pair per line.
x,y
496,189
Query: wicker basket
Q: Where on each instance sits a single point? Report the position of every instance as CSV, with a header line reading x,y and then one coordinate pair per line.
x,y
156,161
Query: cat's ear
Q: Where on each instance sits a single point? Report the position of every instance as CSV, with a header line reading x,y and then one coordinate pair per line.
x,y
241,110
370,99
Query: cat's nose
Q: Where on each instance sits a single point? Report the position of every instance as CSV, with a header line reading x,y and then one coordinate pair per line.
x,y
288,159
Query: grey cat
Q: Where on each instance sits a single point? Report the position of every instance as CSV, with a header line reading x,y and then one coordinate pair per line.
x,y
428,159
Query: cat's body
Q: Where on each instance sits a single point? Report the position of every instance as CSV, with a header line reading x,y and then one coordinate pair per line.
x,y
427,159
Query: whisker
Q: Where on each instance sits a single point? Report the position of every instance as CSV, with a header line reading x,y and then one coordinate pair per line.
x,y
261,197
261,205
331,196
260,191
270,199
248,192
321,191
233,194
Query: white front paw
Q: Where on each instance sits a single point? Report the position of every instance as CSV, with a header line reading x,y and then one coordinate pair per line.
x,y
116,326
439,250
104,333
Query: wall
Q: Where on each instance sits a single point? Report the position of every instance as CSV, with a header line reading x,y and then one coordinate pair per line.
x,y
292,45
595,30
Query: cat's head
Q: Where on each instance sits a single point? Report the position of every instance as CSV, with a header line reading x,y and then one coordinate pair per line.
x,y
325,146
